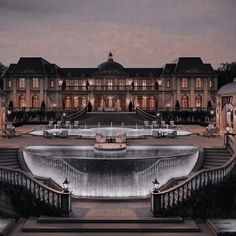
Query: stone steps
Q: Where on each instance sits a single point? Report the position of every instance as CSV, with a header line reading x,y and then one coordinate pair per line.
x,y
108,225
9,158
215,157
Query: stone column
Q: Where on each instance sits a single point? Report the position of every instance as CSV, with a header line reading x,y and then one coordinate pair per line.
x,y
192,94
205,96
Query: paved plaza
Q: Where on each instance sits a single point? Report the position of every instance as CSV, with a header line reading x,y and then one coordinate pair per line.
x,y
196,139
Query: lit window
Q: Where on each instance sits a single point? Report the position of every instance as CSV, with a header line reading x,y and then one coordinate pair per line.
x,y
167,83
9,84
198,101
185,101
22,83
22,101
51,83
210,83
144,85
198,83
35,101
35,82
184,83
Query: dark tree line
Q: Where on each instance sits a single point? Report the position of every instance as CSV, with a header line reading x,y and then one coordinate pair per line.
x,y
226,73
2,71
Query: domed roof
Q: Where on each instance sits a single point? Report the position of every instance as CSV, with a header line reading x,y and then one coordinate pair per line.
x,y
110,65
227,89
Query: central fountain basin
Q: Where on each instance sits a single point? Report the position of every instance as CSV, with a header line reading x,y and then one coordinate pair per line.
x,y
112,131
126,174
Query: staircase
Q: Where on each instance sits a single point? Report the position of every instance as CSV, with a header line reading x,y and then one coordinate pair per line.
x,y
144,226
215,157
9,158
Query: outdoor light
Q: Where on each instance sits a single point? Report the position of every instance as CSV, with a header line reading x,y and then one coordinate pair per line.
x,y
8,112
158,114
155,185
66,185
212,112
60,82
227,129
64,114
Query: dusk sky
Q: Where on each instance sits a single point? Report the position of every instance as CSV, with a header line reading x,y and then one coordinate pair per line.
x,y
140,33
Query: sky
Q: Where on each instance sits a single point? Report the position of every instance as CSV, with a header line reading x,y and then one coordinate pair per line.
x,y
140,33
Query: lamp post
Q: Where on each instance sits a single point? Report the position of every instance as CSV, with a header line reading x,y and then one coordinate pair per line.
x,y
155,198
66,184
155,186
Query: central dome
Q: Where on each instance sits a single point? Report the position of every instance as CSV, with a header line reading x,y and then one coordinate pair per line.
x,y
110,64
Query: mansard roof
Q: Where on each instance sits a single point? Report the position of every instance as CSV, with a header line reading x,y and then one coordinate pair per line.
x,y
33,65
144,72
38,65
77,72
188,65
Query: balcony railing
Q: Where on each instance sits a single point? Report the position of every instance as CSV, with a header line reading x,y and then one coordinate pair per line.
x,y
101,88
168,199
60,202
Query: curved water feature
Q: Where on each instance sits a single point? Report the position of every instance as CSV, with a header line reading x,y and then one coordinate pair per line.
x,y
111,175
112,131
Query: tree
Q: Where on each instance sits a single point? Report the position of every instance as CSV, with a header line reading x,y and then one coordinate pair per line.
x,y
130,106
90,106
3,69
226,72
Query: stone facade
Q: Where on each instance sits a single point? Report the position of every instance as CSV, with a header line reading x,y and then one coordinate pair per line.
x,y
185,84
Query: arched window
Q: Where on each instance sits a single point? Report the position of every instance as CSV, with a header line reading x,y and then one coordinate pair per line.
x,y
68,103
198,101
144,103
152,103
76,102
35,101
22,101
185,101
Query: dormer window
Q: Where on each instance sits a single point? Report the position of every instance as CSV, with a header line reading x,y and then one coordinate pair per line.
x,y
9,84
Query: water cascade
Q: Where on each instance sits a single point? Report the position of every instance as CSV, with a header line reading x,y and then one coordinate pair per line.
x,y
111,175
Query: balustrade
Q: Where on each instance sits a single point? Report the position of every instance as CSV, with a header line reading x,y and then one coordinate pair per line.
x,y
60,201
183,191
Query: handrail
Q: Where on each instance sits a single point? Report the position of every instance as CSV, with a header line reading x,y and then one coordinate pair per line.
x,y
144,114
172,197
60,201
78,113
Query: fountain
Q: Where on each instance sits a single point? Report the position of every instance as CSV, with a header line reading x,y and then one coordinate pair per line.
x,y
126,174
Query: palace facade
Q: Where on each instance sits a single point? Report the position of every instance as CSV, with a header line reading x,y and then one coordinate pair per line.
x,y
186,83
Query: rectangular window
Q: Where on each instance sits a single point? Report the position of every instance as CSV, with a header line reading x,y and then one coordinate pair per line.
x,y
198,83
167,83
184,83
35,83
144,85
22,83
9,84
76,85
51,83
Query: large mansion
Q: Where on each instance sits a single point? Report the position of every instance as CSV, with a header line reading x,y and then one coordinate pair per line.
x,y
186,83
